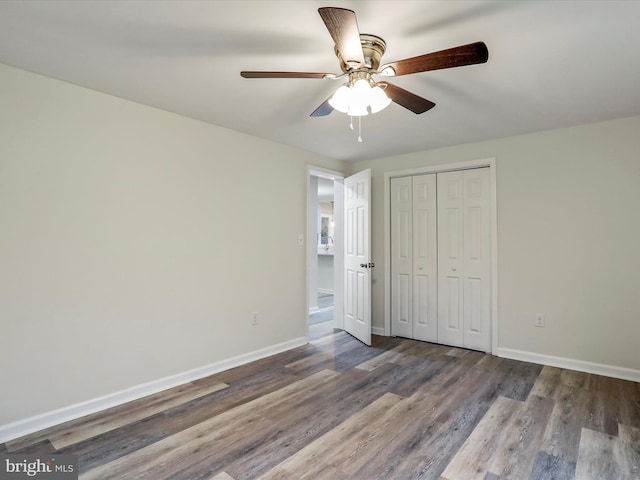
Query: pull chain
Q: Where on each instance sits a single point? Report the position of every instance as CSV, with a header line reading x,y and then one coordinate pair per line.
x,y
359,126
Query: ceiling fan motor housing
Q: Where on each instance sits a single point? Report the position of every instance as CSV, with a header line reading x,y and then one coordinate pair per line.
x,y
373,47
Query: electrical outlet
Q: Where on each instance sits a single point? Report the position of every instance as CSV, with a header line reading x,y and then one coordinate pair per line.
x,y
254,318
539,319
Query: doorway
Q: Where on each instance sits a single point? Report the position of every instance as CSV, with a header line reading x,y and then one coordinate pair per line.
x,y
324,253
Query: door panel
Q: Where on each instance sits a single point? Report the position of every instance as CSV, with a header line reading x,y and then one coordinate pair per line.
x,y
453,319
425,262
450,265
401,257
477,259
357,318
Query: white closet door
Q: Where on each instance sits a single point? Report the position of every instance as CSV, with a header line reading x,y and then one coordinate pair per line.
x,y
477,259
401,257
450,258
425,258
440,258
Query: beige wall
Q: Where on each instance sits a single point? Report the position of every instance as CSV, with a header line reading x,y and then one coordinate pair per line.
x,y
568,236
135,243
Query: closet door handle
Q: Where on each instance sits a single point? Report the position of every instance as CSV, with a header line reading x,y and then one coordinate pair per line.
x,y
363,265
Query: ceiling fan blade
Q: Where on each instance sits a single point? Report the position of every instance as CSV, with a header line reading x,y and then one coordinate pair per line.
x,y
470,54
343,27
323,110
406,99
253,74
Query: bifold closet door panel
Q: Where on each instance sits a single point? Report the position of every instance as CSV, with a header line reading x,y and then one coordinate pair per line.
x,y
477,259
450,258
401,257
425,258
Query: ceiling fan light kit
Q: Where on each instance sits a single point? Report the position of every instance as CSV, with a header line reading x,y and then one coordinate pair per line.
x,y
359,98
360,57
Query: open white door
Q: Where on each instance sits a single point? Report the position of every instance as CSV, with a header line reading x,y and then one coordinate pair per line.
x,y
357,263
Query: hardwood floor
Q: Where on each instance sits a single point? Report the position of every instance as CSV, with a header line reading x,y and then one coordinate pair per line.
x,y
335,409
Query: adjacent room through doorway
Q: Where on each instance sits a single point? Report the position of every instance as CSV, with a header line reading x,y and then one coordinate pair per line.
x,y
323,285
324,253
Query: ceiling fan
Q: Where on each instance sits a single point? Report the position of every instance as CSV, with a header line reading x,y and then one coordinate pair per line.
x,y
360,55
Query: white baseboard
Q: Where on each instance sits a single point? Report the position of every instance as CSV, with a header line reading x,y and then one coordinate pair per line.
x,y
571,364
377,331
45,420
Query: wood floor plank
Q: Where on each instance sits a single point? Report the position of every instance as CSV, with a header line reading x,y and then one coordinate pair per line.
x,y
186,446
488,362
416,374
596,457
548,467
163,459
405,453
131,412
628,403
351,392
491,476
629,452
117,443
332,447
519,378
125,440
372,440
573,378
394,355
290,428
562,435
430,450
444,383
187,415
91,425
476,385
222,476
601,412
547,383
515,455
604,406
473,459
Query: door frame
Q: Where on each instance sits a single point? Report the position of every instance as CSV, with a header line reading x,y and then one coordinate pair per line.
x,y
447,167
338,255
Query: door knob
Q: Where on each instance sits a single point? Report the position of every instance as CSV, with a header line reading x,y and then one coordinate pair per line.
x,y
367,265
453,268
419,267
363,265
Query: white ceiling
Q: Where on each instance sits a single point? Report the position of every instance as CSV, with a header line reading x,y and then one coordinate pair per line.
x,y
551,64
